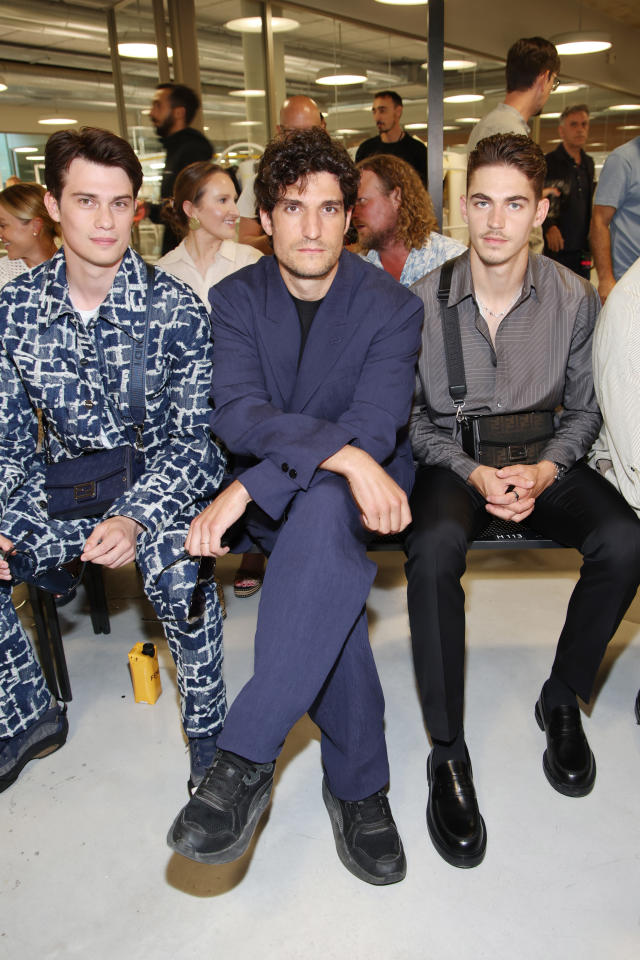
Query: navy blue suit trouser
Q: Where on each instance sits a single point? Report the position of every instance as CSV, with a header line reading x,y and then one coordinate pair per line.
x,y
312,651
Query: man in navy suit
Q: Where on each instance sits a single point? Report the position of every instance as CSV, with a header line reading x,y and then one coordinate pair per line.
x,y
313,377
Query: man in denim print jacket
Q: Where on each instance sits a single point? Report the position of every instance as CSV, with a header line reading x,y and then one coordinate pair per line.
x,y
67,330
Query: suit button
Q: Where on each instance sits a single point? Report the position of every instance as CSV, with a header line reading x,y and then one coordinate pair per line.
x,y
285,467
88,404
84,361
293,474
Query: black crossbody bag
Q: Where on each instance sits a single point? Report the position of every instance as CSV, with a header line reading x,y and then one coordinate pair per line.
x,y
499,439
87,485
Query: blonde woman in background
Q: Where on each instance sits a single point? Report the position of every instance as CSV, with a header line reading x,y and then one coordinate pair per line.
x,y
205,215
26,230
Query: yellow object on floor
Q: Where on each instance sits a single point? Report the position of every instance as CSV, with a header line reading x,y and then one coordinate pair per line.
x,y
145,672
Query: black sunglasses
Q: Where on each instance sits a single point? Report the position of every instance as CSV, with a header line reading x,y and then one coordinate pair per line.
x,y
57,580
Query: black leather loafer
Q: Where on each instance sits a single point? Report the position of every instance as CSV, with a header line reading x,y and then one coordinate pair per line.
x,y
568,763
453,819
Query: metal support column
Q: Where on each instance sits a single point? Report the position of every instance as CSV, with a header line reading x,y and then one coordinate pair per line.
x,y
269,69
186,66
117,72
161,41
435,95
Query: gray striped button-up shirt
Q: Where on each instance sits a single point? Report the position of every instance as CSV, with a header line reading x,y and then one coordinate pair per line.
x,y
541,361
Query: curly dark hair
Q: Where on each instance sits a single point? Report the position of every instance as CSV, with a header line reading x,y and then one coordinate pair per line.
x,y
416,217
290,158
510,150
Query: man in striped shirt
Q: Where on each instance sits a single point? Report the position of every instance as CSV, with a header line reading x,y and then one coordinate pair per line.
x,y
526,326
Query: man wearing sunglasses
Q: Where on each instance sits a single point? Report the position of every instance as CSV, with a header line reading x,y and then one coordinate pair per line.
x,y
68,331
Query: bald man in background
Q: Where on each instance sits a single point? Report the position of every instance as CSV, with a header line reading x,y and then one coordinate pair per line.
x,y
296,113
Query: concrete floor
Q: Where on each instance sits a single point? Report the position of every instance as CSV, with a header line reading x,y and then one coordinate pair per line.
x,y
86,872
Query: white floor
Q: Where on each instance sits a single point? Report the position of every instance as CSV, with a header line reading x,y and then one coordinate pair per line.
x,y
86,872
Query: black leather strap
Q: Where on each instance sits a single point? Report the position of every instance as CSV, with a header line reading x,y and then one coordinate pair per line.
x,y
451,336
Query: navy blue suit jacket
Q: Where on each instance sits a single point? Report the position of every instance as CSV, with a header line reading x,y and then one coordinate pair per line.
x,y
354,383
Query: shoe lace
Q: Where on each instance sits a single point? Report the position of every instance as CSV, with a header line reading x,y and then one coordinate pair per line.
x,y
225,775
373,809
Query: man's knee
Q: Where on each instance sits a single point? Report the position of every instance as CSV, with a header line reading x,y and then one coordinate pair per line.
x,y
616,544
435,545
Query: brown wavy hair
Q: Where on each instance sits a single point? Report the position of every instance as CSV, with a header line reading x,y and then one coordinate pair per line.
x,y
189,185
291,157
25,201
416,216
510,150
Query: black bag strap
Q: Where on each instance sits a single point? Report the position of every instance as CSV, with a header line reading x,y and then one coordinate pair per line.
x,y
138,369
451,338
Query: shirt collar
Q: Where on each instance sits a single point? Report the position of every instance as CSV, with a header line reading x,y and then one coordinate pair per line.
x,y
462,281
124,301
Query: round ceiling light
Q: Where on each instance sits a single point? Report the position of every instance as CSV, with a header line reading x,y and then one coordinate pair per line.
x,y
254,24
57,121
141,51
464,98
339,77
572,44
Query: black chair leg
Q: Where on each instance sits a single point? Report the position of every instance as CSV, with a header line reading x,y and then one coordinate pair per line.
x,y
94,585
638,707
45,646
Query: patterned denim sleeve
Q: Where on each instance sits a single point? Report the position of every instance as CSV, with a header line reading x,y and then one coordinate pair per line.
x,y
184,467
18,423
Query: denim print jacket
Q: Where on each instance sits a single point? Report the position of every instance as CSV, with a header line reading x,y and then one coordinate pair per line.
x,y
78,376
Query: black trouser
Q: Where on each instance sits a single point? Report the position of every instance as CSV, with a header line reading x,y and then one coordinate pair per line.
x,y
582,510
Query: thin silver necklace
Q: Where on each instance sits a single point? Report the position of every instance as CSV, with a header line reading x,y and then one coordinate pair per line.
x,y
498,316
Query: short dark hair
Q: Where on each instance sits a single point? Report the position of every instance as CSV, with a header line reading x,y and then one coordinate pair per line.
x,y
527,59
397,99
576,108
182,96
94,145
291,157
510,150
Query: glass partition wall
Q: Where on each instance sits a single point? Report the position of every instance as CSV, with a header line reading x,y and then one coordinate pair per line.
x,y
58,68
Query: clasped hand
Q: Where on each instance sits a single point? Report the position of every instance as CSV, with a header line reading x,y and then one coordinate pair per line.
x,y
511,492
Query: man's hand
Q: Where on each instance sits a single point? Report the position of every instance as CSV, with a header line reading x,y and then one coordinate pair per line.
x,y
527,480
6,546
208,528
113,542
507,498
554,238
383,504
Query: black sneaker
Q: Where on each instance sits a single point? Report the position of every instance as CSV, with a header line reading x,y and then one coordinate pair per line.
x,y
366,837
46,734
202,751
217,824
